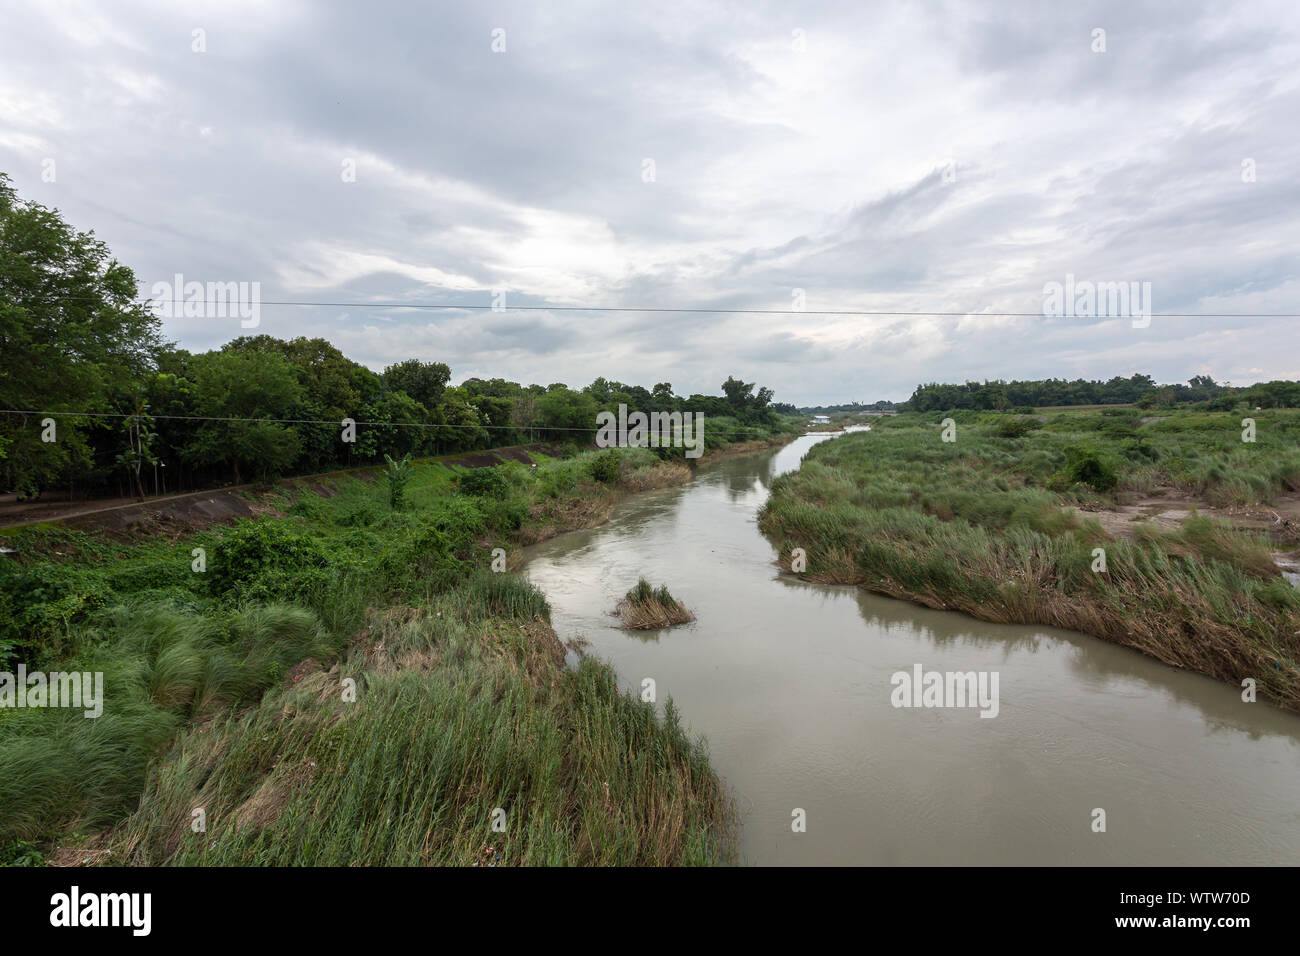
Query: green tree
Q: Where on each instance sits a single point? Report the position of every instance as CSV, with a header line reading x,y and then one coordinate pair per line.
x,y
563,408
71,331
331,380
426,382
232,387
739,394
397,419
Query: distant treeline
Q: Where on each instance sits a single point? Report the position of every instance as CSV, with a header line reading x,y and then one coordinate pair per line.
x,y
74,339
1137,389
881,406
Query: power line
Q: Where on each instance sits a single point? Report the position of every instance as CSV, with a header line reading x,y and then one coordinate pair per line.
x,y
323,421
701,310
716,311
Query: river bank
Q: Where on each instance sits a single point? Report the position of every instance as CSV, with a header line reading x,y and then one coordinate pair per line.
x,y
995,525
237,674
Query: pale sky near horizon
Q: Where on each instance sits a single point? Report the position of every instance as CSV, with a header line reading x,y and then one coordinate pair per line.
x,y
911,156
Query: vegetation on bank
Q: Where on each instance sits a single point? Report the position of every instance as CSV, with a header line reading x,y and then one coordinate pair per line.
x,y
1003,524
645,607
135,414
225,688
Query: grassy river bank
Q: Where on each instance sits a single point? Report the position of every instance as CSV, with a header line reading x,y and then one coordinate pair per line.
x,y
1155,530
344,683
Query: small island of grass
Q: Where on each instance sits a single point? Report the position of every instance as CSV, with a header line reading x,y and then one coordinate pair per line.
x,y
645,608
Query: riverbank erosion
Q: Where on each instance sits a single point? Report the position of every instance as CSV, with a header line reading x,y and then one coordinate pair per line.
x,y
1001,522
335,652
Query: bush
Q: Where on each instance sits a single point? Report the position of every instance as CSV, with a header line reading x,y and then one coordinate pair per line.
x,y
1141,451
607,467
1015,427
360,516
1089,466
429,558
507,515
37,606
459,520
255,549
483,483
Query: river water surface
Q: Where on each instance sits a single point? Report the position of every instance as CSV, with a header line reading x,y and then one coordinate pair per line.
x,y
790,684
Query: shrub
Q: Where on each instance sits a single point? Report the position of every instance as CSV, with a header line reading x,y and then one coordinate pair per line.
x,y
1140,451
1015,427
257,548
607,467
459,520
360,516
483,483
507,515
37,605
1089,466
429,557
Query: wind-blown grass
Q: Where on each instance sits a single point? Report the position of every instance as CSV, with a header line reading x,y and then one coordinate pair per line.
x,y
457,716
464,703
161,667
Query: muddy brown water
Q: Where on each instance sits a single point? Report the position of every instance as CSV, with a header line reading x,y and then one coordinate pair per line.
x,y
790,683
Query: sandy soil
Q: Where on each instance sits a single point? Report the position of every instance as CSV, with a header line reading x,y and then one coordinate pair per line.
x,y
1280,522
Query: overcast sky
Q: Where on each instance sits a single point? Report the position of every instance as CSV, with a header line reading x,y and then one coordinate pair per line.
x,y
879,156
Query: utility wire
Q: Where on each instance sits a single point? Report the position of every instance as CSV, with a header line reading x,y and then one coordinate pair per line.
x,y
703,310
320,421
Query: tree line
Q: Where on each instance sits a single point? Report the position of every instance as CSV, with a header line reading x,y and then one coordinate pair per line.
x,y
75,339
1139,389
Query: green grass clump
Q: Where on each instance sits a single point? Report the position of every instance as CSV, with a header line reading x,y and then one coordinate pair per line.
x,y
645,607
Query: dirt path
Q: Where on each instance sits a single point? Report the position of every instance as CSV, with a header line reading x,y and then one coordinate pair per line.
x,y
214,504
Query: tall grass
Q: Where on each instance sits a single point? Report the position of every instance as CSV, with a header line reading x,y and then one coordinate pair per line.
x,y
465,702
161,667
459,715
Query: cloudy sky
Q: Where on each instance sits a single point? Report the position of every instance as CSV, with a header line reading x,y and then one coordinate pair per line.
x,y
898,156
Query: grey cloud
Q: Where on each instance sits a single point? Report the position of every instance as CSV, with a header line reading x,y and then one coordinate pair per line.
x,y
522,171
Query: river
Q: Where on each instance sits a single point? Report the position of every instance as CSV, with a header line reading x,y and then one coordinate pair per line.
x,y
791,685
